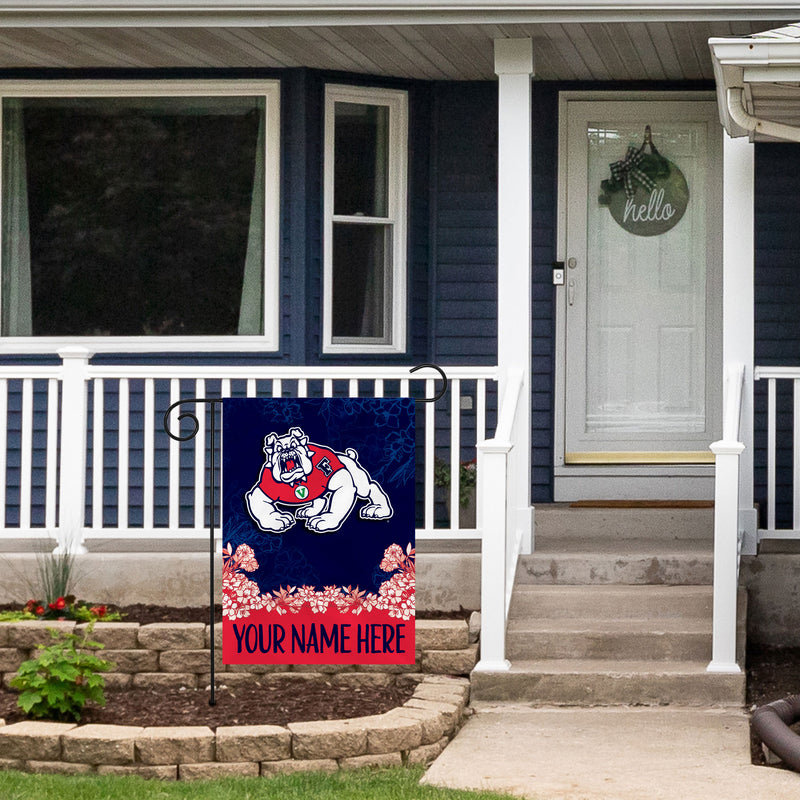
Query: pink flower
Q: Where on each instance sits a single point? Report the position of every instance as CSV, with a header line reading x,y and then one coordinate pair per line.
x,y
393,558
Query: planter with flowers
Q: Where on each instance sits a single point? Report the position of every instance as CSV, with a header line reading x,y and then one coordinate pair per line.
x,y
467,483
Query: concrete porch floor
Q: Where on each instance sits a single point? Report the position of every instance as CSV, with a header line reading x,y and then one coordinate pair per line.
x,y
619,753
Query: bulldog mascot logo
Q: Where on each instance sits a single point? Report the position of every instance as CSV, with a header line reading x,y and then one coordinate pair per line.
x,y
320,484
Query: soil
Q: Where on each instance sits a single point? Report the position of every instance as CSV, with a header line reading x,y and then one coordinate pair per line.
x,y
772,674
242,705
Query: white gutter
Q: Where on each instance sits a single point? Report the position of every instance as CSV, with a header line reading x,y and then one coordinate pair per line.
x,y
191,13
738,113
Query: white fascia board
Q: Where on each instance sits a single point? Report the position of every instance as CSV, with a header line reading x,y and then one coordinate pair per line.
x,y
245,13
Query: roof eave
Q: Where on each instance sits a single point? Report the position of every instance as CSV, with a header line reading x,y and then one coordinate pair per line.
x,y
237,13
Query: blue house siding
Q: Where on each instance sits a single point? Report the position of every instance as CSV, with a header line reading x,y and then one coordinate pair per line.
x,y
777,294
464,188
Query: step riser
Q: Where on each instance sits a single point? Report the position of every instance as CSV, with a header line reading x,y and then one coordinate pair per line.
x,y
607,690
625,523
653,646
578,569
555,603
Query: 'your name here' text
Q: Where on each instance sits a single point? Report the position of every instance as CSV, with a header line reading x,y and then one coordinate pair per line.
x,y
319,638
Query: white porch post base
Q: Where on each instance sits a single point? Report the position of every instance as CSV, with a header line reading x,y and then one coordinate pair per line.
x,y
726,557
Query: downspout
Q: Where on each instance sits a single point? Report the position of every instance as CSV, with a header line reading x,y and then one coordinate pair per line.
x,y
743,119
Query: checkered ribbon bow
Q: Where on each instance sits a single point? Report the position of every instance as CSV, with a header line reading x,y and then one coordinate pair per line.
x,y
627,171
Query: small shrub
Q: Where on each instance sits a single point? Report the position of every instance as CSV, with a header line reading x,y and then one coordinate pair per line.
x,y
62,678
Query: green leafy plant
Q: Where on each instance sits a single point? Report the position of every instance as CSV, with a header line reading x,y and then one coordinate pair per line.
x,y
62,678
467,478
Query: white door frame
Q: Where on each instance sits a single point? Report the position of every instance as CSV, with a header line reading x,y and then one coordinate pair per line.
x,y
624,481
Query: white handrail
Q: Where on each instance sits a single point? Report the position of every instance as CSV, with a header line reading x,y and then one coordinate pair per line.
x,y
726,525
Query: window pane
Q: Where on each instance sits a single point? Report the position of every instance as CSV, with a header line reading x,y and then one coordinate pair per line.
x,y
360,280
140,213
361,160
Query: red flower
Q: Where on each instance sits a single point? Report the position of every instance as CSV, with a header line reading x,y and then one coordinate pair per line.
x,y
39,611
60,603
30,605
98,611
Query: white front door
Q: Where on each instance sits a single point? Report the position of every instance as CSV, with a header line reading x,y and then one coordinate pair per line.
x,y
641,300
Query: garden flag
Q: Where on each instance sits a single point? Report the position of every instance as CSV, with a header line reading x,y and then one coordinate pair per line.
x,y
318,531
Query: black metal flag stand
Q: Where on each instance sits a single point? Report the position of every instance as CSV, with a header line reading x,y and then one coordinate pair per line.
x,y
213,402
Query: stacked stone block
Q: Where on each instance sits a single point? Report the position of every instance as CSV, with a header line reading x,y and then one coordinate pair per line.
x,y
414,733
178,654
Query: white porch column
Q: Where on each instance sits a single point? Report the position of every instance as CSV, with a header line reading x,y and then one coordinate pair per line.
x,y
513,63
738,298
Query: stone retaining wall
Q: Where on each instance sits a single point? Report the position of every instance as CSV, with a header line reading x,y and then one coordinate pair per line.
x,y
414,733
177,654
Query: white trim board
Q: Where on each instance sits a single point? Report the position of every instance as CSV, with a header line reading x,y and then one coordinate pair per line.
x,y
269,340
242,13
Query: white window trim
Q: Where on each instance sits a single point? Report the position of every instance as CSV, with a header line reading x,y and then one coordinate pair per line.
x,y
270,338
397,102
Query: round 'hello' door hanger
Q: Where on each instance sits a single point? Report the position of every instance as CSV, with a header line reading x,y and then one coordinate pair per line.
x,y
647,194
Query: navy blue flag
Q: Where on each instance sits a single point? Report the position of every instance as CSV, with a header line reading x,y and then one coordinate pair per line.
x,y
318,531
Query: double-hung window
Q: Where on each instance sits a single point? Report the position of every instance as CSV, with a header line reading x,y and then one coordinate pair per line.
x,y
140,215
366,135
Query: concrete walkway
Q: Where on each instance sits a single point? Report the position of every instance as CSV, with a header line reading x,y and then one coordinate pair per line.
x,y
626,753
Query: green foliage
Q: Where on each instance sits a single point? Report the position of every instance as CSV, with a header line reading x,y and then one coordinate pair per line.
x,y
62,678
467,475
16,616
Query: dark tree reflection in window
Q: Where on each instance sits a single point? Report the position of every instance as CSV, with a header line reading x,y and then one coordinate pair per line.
x,y
139,215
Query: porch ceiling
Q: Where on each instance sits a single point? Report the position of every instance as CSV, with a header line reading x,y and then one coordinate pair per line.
x,y
650,48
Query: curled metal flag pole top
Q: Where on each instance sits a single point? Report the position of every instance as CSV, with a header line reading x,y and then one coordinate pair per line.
x,y
191,416
445,382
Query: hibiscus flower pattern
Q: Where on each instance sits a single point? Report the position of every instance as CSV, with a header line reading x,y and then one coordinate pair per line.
x,y
395,595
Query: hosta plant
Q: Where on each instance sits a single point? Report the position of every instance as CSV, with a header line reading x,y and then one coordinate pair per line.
x,y
62,678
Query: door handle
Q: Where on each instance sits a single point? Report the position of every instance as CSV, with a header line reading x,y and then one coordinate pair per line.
x,y
571,291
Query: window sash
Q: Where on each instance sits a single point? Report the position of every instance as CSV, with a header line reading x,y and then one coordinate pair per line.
x,y
393,303
268,339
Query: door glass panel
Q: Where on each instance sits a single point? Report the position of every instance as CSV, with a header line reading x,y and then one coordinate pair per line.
x,y
646,295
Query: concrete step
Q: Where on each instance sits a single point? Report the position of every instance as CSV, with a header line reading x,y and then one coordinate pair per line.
x,y
593,562
563,521
609,682
679,640
613,601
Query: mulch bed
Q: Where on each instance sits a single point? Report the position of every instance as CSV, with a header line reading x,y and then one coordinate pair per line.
x,y
772,674
293,701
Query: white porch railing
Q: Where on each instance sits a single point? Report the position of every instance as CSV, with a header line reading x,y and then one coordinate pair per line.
x,y
727,536
787,378
143,487
500,519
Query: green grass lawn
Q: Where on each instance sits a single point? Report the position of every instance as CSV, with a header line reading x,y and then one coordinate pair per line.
x,y
388,784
